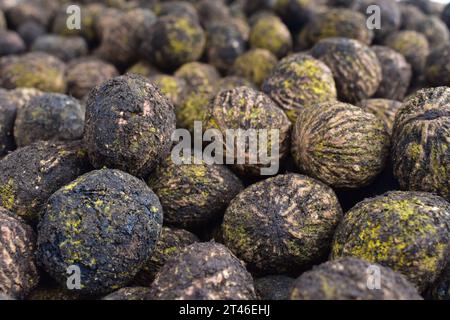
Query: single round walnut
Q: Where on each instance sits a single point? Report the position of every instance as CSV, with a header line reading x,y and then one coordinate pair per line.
x,y
340,144
283,224
203,271
355,67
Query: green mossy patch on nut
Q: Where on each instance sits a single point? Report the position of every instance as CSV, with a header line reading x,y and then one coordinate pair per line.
x,y
406,231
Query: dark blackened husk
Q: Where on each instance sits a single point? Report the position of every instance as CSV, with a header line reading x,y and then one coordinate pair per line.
x,y
130,294
122,37
437,69
64,48
31,30
405,231
40,11
246,108
396,74
435,30
348,279
84,74
295,13
340,144
50,116
420,150
283,224
129,123
194,195
445,16
18,272
10,102
384,109
411,16
441,287
343,23
172,87
224,45
8,112
273,287
29,175
169,244
355,67
107,223
173,41
342,3
203,271
176,8
11,43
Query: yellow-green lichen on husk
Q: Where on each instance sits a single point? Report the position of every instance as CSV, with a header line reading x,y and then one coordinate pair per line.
x,y
406,231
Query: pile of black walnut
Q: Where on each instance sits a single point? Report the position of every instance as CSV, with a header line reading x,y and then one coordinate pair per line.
x,y
89,184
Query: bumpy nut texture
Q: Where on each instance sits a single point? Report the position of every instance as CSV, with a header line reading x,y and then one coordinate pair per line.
x,y
420,150
406,231
122,36
203,271
107,223
283,224
349,279
29,175
300,81
340,144
355,67
18,271
129,124
194,195
246,108
173,41
169,244
50,116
